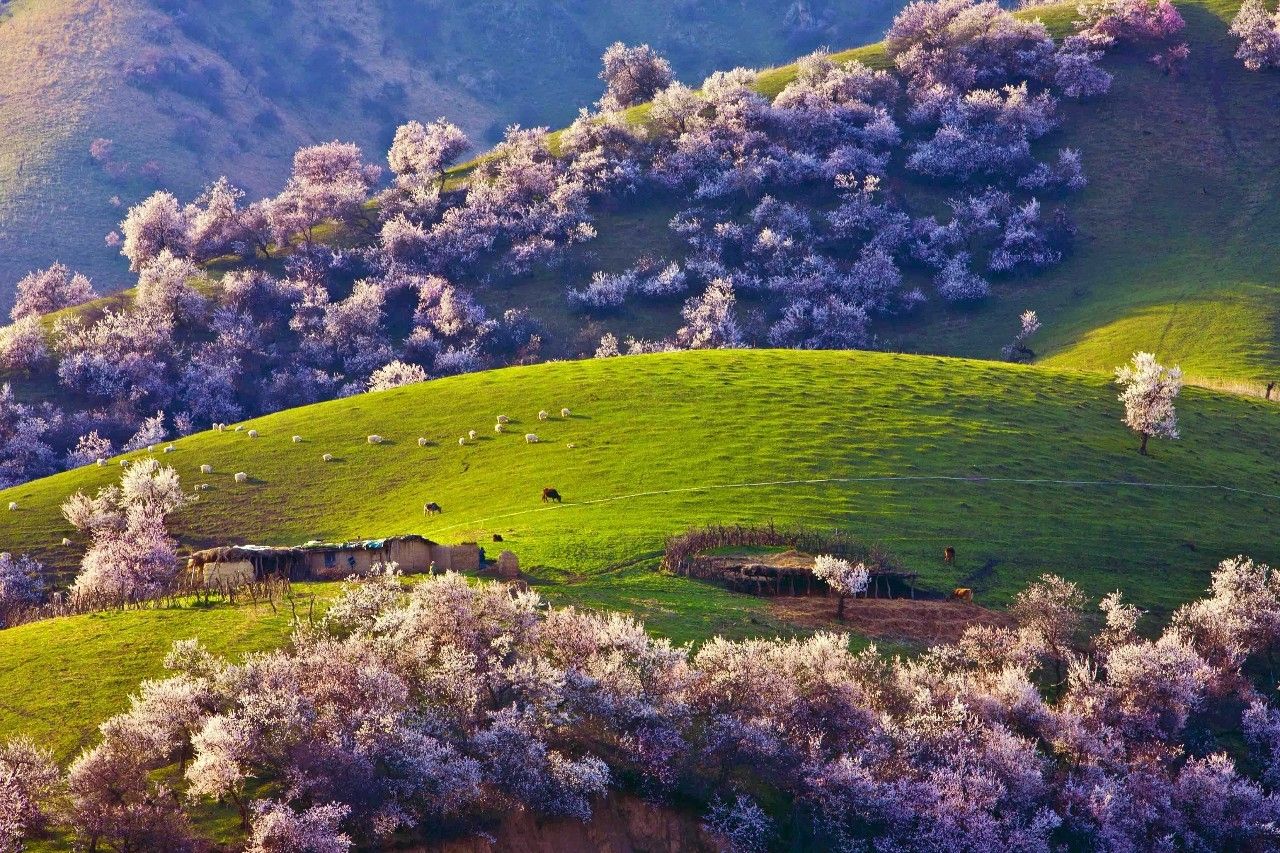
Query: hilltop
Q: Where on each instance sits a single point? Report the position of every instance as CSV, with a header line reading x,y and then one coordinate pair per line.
x,y
189,91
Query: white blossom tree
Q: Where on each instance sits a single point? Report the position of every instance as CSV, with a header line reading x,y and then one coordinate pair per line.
x,y
845,577
1148,392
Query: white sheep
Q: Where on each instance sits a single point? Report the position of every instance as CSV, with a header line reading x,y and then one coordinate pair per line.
x,y
462,442
66,541
203,487
102,463
471,434
206,469
238,428
169,448
253,433
151,448
571,445
542,415
498,428
503,419
328,457
13,506
297,439
375,439
242,477
530,438
124,462
564,413
422,442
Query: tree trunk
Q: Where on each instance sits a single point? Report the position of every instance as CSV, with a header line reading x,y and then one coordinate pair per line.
x,y
1142,448
840,607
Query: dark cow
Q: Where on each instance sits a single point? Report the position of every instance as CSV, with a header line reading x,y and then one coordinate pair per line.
x,y
432,508
497,537
949,555
550,494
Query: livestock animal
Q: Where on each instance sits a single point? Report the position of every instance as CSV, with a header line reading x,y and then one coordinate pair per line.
x,y
242,477
206,469
328,457
13,506
169,448
462,441
102,463
432,508
503,419
962,593
564,413
297,439
550,494
530,438
497,537
422,442
374,439
253,433
543,415
571,445
151,448
949,555
66,541
471,434
498,428
238,428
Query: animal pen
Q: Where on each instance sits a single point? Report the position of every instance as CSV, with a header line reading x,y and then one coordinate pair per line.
x,y
788,572
235,565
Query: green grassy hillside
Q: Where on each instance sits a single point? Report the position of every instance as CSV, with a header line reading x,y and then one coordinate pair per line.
x,y
188,91
664,442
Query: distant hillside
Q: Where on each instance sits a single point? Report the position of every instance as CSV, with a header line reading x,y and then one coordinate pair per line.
x,y
188,91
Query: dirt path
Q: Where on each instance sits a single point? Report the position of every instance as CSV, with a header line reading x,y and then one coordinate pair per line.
x,y
928,622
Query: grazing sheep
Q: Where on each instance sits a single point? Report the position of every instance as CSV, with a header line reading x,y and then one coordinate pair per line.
x,y
550,494
375,439
169,449
242,477
204,487
238,428
328,457
102,463
503,419
151,448
542,415
297,439
422,442
498,428
564,413
13,506
462,442
66,541
124,462
471,434
571,445
530,438
206,469
253,433
432,508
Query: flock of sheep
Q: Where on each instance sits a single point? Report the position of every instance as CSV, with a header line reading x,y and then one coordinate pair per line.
x,y
243,477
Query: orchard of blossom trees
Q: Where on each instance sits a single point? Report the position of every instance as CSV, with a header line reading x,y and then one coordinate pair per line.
x,y
794,217
432,711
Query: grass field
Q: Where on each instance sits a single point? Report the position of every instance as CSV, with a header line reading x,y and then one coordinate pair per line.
x,y
661,442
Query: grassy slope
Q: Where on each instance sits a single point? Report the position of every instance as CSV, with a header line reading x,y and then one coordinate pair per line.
x,y
680,421
1178,252
291,73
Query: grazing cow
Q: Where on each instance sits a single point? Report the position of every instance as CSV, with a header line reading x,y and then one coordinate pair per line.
x,y
962,593
550,494
497,537
949,555
432,508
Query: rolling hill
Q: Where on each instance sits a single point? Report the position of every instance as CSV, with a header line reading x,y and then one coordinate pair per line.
x,y
188,91
1024,470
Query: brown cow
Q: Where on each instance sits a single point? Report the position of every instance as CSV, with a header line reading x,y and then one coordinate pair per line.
x,y
962,593
497,537
949,555
432,508
550,494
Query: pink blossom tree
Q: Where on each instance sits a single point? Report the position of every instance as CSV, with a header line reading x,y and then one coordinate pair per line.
x,y
49,290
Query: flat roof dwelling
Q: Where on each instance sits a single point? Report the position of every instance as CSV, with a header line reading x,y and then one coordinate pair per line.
x,y
412,554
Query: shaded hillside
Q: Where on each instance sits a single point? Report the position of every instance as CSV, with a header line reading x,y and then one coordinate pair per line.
x,y
190,91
